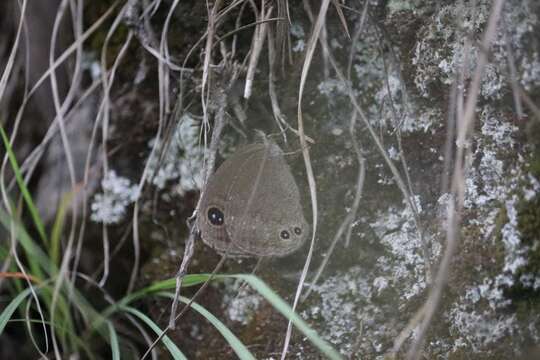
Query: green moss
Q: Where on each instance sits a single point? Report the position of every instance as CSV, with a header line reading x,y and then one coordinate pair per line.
x,y
500,221
533,135
529,226
529,210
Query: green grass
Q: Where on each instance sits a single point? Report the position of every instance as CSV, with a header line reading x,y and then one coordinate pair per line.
x,y
22,187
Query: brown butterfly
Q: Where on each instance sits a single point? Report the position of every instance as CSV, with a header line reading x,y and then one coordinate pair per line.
x,y
251,205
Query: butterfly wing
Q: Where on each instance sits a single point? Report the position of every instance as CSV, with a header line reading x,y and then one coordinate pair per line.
x,y
212,219
265,216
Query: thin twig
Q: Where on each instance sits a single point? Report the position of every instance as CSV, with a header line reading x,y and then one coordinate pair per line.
x,y
219,124
259,38
107,80
346,226
187,306
60,111
315,36
276,110
408,193
466,121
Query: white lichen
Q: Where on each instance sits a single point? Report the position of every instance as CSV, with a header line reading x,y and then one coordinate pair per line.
x,y
493,183
332,86
531,188
404,266
477,329
488,182
182,160
393,153
241,302
110,206
297,32
345,304
444,49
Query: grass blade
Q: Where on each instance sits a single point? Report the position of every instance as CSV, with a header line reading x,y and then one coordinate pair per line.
x,y
37,259
284,308
113,338
56,233
5,315
22,186
277,302
238,347
173,349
